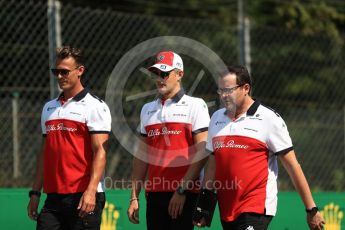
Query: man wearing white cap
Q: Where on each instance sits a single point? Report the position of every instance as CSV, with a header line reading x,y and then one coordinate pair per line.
x,y
174,132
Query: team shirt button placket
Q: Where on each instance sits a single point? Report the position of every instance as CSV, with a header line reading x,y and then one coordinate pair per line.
x,y
163,115
232,127
60,112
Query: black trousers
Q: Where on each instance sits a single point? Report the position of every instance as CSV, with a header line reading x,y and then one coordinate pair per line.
x,y
157,215
248,221
60,213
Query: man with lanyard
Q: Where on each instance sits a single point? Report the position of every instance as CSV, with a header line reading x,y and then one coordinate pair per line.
x,y
70,167
245,139
174,132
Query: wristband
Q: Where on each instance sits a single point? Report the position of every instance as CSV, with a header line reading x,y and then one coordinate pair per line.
x,y
313,210
132,199
180,190
34,193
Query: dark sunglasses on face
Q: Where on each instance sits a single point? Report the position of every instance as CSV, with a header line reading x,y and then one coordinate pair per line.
x,y
162,74
62,72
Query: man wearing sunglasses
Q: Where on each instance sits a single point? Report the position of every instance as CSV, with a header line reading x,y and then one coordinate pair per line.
x,y
70,166
245,139
174,131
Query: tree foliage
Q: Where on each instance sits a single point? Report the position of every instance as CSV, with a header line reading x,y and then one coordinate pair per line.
x,y
308,17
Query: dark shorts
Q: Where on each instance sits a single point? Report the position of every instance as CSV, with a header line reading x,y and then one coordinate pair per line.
x,y
248,221
157,215
60,213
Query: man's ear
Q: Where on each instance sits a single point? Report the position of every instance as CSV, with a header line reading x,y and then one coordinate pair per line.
x,y
247,88
81,70
180,75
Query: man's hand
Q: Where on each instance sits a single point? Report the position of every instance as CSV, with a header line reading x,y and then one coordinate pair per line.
x,y
176,205
32,207
133,211
315,221
87,203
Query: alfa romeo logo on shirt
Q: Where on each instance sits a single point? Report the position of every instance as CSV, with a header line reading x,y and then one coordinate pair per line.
x,y
132,60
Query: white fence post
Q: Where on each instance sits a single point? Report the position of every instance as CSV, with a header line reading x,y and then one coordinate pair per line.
x,y
15,129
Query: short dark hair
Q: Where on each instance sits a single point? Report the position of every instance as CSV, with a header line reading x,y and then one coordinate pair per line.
x,y
242,75
68,51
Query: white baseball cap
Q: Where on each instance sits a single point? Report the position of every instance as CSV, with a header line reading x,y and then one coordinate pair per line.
x,y
166,61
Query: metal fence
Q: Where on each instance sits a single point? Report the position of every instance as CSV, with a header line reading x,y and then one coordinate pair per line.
x,y
300,76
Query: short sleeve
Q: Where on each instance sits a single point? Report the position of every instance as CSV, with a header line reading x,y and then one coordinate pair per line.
x,y
43,121
141,129
210,134
279,140
209,145
201,117
99,119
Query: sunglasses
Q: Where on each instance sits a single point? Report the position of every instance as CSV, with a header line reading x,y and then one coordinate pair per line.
x,y
162,74
62,72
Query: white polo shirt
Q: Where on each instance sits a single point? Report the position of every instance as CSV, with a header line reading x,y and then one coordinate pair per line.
x,y
246,151
67,127
169,127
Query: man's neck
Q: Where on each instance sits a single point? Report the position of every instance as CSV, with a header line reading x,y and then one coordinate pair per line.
x,y
242,109
71,93
171,94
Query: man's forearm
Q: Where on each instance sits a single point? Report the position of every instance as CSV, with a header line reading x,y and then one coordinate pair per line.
x,y
98,166
193,173
301,185
38,182
198,161
296,174
138,176
98,144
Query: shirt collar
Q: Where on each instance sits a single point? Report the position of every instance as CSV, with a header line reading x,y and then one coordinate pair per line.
x,y
77,97
252,109
177,97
